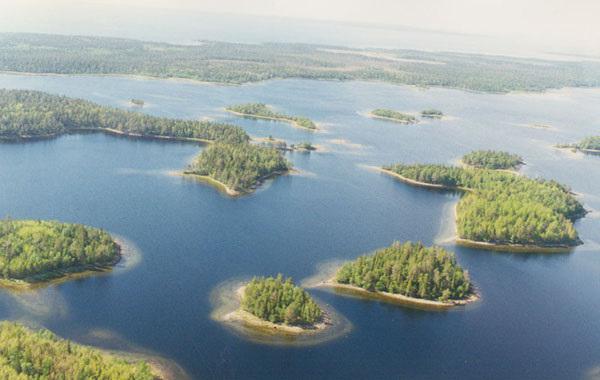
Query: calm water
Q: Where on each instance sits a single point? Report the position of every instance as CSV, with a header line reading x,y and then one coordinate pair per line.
x,y
540,314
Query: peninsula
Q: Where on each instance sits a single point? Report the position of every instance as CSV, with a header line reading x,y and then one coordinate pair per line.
x,y
262,111
503,211
38,251
408,273
391,115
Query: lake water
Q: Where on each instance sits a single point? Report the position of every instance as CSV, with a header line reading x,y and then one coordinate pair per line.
x,y
539,317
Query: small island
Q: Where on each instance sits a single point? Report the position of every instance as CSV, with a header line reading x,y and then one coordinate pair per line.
x,y
432,114
500,210
137,102
262,111
39,251
590,145
29,354
494,160
304,146
237,168
391,115
410,274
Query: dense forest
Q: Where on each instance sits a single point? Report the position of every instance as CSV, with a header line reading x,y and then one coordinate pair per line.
x,y
278,300
239,166
409,269
504,208
240,63
44,249
27,354
394,115
432,113
490,159
26,113
261,110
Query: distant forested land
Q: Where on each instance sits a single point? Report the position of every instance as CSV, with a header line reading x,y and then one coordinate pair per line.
x,y
261,110
490,159
240,63
504,208
27,114
432,113
42,250
409,269
278,300
27,354
240,167
399,117
589,143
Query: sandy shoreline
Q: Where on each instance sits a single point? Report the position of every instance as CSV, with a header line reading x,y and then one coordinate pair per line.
x,y
517,248
293,123
223,187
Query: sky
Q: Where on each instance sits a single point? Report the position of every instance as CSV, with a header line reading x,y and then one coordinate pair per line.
x,y
567,24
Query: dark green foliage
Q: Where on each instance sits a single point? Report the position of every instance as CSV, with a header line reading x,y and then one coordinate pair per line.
x,y
27,354
239,166
504,208
409,269
44,249
278,300
37,114
239,63
304,146
490,159
395,115
264,111
432,113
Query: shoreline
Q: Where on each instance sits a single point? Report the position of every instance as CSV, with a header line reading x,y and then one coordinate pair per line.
x,y
226,189
515,248
399,298
293,123
421,184
398,121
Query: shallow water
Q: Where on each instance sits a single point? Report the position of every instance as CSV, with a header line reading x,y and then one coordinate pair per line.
x,y
539,317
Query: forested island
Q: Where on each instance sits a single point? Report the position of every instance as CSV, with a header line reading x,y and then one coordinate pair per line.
x,y
137,102
237,63
26,114
36,251
501,210
262,111
410,273
238,168
391,115
491,159
27,354
432,114
587,145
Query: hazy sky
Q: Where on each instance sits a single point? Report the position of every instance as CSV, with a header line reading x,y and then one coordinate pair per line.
x,y
564,22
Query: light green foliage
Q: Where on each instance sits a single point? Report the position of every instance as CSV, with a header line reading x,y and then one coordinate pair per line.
x,y
37,114
490,159
262,110
409,269
395,115
591,143
44,249
278,300
432,113
240,63
504,208
38,355
239,166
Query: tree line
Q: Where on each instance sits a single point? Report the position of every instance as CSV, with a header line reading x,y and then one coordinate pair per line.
x,y
409,269
278,300
491,159
262,110
395,115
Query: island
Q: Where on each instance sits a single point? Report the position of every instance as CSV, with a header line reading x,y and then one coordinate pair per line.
x,y
304,146
491,159
432,114
410,274
29,354
262,111
501,210
137,102
589,145
35,251
237,168
391,115
33,114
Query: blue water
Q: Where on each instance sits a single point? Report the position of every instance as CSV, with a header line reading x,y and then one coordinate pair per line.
x,y
539,317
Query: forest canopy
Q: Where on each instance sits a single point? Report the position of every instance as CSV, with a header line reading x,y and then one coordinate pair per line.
x,y
504,208
490,159
260,110
25,114
278,300
240,167
411,270
399,117
27,354
37,250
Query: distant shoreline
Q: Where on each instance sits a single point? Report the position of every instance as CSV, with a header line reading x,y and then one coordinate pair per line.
x,y
399,121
